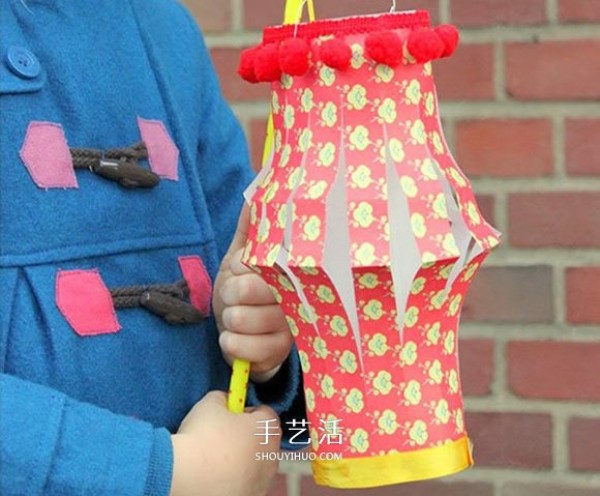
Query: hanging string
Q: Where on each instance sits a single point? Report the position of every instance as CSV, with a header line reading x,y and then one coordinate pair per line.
x,y
299,13
393,9
300,10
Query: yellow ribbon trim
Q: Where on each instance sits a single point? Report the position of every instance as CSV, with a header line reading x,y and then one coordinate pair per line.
x,y
294,10
396,468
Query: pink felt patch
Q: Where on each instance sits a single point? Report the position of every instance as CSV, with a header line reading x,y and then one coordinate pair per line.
x,y
198,281
46,155
85,302
163,154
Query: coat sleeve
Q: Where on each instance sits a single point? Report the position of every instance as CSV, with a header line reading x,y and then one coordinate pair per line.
x,y
53,445
225,172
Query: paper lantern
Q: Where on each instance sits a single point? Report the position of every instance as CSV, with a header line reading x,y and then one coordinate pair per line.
x,y
369,235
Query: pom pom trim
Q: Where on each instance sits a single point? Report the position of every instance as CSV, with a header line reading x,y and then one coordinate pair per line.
x,y
336,53
450,36
425,45
294,55
385,47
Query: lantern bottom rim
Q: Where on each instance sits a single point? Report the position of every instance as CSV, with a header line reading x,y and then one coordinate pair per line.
x,y
394,468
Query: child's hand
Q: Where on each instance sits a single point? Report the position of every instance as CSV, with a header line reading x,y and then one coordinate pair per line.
x,y
251,322
215,451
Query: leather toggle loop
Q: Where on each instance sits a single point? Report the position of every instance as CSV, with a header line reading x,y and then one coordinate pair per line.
x,y
173,310
126,173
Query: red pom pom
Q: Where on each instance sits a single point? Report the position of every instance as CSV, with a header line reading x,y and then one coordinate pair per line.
x,y
266,63
246,65
425,45
450,37
385,47
293,56
335,53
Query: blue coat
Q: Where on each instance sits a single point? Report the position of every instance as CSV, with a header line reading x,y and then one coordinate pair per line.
x,y
90,413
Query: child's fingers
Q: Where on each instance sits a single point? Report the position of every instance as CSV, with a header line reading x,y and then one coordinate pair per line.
x,y
216,398
265,412
247,289
265,351
263,319
236,266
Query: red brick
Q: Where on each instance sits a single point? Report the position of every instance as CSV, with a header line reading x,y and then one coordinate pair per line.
x,y
583,295
261,13
493,12
468,74
578,10
515,440
553,370
583,146
584,444
510,294
553,70
541,489
476,366
335,8
562,219
234,87
279,486
213,17
505,147
427,488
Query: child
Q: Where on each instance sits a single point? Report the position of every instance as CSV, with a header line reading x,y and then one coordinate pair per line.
x,y
122,172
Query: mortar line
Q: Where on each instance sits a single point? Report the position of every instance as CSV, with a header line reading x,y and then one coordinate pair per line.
x,y
293,484
499,72
560,293
530,34
560,445
501,216
536,185
531,332
500,384
552,11
513,405
558,148
233,39
444,11
449,130
531,476
237,16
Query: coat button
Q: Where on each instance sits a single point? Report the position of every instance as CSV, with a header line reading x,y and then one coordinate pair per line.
x,y
22,62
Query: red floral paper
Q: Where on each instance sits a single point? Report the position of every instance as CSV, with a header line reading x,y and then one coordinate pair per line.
x,y
369,235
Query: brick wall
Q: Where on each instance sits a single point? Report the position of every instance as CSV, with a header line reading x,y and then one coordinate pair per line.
x,y
521,106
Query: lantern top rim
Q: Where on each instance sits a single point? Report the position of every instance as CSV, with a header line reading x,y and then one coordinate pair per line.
x,y
412,20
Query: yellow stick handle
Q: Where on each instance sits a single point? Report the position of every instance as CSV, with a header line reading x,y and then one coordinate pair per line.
x,y
236,400
238,386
